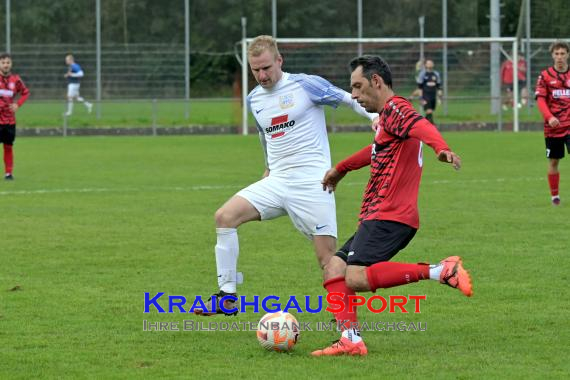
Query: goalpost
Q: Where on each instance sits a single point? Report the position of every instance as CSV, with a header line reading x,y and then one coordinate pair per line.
x,y
470,67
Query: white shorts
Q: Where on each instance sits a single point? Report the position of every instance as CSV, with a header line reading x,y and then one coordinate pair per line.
x,y
73,90
312,210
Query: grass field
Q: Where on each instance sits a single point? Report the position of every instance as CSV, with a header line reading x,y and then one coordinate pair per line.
x,y
90,224
223,112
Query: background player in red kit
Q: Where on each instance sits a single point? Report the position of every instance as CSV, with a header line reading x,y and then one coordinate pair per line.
x,y
553,100
507,80
10,86
389,214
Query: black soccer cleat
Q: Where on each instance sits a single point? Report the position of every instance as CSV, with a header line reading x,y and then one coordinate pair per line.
x,y
229,304
8,177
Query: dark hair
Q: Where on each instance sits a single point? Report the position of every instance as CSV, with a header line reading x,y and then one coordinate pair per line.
x,y
559,45
373,65
5,55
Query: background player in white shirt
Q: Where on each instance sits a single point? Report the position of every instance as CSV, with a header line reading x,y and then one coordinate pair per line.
x,y
289,114
74,75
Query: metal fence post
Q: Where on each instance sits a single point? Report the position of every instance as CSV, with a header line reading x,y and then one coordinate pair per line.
x,y
8,27
154,116
244,63
64,125
187,58
98,55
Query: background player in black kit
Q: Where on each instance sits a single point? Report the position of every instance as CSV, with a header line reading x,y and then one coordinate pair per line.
x,y
429,89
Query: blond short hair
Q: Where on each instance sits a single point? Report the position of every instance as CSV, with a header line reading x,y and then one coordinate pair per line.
x,y
559,44
263,43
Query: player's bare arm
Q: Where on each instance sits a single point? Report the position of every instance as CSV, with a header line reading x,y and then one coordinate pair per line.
x,y
331,179
450,157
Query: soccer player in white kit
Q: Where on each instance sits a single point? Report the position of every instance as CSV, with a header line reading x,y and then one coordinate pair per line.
x,y
290,118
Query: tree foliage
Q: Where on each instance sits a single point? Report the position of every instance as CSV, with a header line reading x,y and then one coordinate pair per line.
x,y
215,26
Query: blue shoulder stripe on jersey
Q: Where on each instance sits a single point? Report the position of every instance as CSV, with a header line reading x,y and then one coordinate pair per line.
x,y
249,96
320,90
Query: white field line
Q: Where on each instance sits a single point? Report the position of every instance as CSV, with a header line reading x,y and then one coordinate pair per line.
x,y
237,187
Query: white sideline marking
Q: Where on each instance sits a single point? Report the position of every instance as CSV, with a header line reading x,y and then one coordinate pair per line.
x,y
226,187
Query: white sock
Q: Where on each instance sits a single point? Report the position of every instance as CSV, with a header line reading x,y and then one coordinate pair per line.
x,y
227,252
435,271
555,197
69,107
352,334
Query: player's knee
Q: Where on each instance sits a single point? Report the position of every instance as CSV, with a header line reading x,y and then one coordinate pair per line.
x,y
225,218
334,267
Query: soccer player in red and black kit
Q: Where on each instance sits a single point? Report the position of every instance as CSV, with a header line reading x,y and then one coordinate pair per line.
x,y
10,86
553,100
389,213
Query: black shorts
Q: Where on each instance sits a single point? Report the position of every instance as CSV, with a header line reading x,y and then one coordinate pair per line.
x,y
430,103
7,134
555,146
509,87
376,241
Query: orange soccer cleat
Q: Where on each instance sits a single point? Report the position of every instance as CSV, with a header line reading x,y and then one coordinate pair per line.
x,y
343,346
454,275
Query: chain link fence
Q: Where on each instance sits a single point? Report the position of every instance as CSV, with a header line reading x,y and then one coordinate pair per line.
x,y
143,56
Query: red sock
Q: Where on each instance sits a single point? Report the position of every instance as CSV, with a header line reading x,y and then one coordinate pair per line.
x,y
338,285
388,274
8,158
553,181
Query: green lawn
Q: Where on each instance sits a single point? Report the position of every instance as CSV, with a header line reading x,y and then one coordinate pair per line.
x,y
223,112
90,224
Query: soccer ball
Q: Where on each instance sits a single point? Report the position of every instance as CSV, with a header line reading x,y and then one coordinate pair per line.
x,y
278,331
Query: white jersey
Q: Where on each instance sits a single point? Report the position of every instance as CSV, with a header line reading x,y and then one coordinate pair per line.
x,y
291,121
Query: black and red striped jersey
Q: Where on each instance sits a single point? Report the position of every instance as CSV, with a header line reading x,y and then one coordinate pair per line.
x,y
396,161
11,86
554,87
